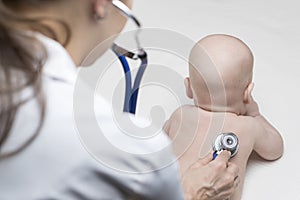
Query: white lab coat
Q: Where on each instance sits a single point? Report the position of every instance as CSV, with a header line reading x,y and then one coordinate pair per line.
x,y
57,166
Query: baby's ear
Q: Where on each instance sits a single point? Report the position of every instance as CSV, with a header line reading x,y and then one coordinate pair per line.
x,y
188,88
248,93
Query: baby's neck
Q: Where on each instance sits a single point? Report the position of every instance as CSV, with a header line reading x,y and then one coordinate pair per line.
x,y
219,109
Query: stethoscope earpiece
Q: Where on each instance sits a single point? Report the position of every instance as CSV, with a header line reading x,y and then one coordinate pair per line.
x,y
226,141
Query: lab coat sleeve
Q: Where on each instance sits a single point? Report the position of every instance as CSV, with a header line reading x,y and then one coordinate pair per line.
x,y
91,180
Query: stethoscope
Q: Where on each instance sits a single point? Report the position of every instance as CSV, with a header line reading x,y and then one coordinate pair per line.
x,y
131,91
225,141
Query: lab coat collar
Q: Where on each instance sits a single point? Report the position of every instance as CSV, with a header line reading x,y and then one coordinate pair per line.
x,y
59,65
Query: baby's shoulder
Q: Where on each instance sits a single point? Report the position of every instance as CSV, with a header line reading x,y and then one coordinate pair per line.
x,y
186,114
247,122
245,127
184,110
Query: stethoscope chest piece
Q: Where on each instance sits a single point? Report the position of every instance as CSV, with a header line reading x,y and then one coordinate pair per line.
x,y
226,141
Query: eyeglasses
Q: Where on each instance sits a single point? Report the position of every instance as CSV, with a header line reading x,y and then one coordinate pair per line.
x,y
128,13
131,92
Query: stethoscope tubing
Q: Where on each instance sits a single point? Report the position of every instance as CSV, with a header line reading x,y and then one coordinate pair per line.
x,y
132,92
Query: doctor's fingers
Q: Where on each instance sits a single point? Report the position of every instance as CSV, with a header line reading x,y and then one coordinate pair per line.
x,y
233,169
226,180
225,186
220,190
221,161
228,193
213,193
229,178
224,156
207,159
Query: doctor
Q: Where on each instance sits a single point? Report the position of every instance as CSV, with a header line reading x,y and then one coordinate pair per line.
x,y
41,43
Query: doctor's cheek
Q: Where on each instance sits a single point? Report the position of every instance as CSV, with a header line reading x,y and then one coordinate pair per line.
x,y
128,3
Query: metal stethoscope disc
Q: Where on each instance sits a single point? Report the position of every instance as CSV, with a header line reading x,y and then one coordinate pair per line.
x,y
226,141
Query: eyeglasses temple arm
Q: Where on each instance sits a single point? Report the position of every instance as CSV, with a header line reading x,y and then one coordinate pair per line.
x,y
126,11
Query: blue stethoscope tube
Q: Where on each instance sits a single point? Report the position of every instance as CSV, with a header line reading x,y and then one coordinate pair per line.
x,y
215,154
131,92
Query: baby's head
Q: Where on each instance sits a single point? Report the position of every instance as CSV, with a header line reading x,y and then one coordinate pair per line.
x,y
220,74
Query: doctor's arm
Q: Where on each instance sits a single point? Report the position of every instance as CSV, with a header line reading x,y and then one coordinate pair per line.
x,y
92,180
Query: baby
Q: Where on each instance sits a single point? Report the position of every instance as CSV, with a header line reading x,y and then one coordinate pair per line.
x,y
220,84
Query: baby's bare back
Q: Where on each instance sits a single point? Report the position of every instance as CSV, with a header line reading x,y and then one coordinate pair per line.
x,y
194,130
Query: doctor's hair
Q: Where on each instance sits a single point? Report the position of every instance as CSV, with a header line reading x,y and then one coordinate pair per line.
x,y
22,57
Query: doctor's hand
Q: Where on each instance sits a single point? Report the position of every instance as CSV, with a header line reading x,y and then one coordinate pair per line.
x,y
209,179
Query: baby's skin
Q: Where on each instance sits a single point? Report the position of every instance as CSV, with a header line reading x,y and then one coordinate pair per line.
x,y
220,83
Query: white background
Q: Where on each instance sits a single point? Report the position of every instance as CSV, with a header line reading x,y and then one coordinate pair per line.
x,y
271,29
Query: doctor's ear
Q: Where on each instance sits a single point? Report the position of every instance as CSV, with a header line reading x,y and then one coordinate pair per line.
x,y
248,93
188,88
100,9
